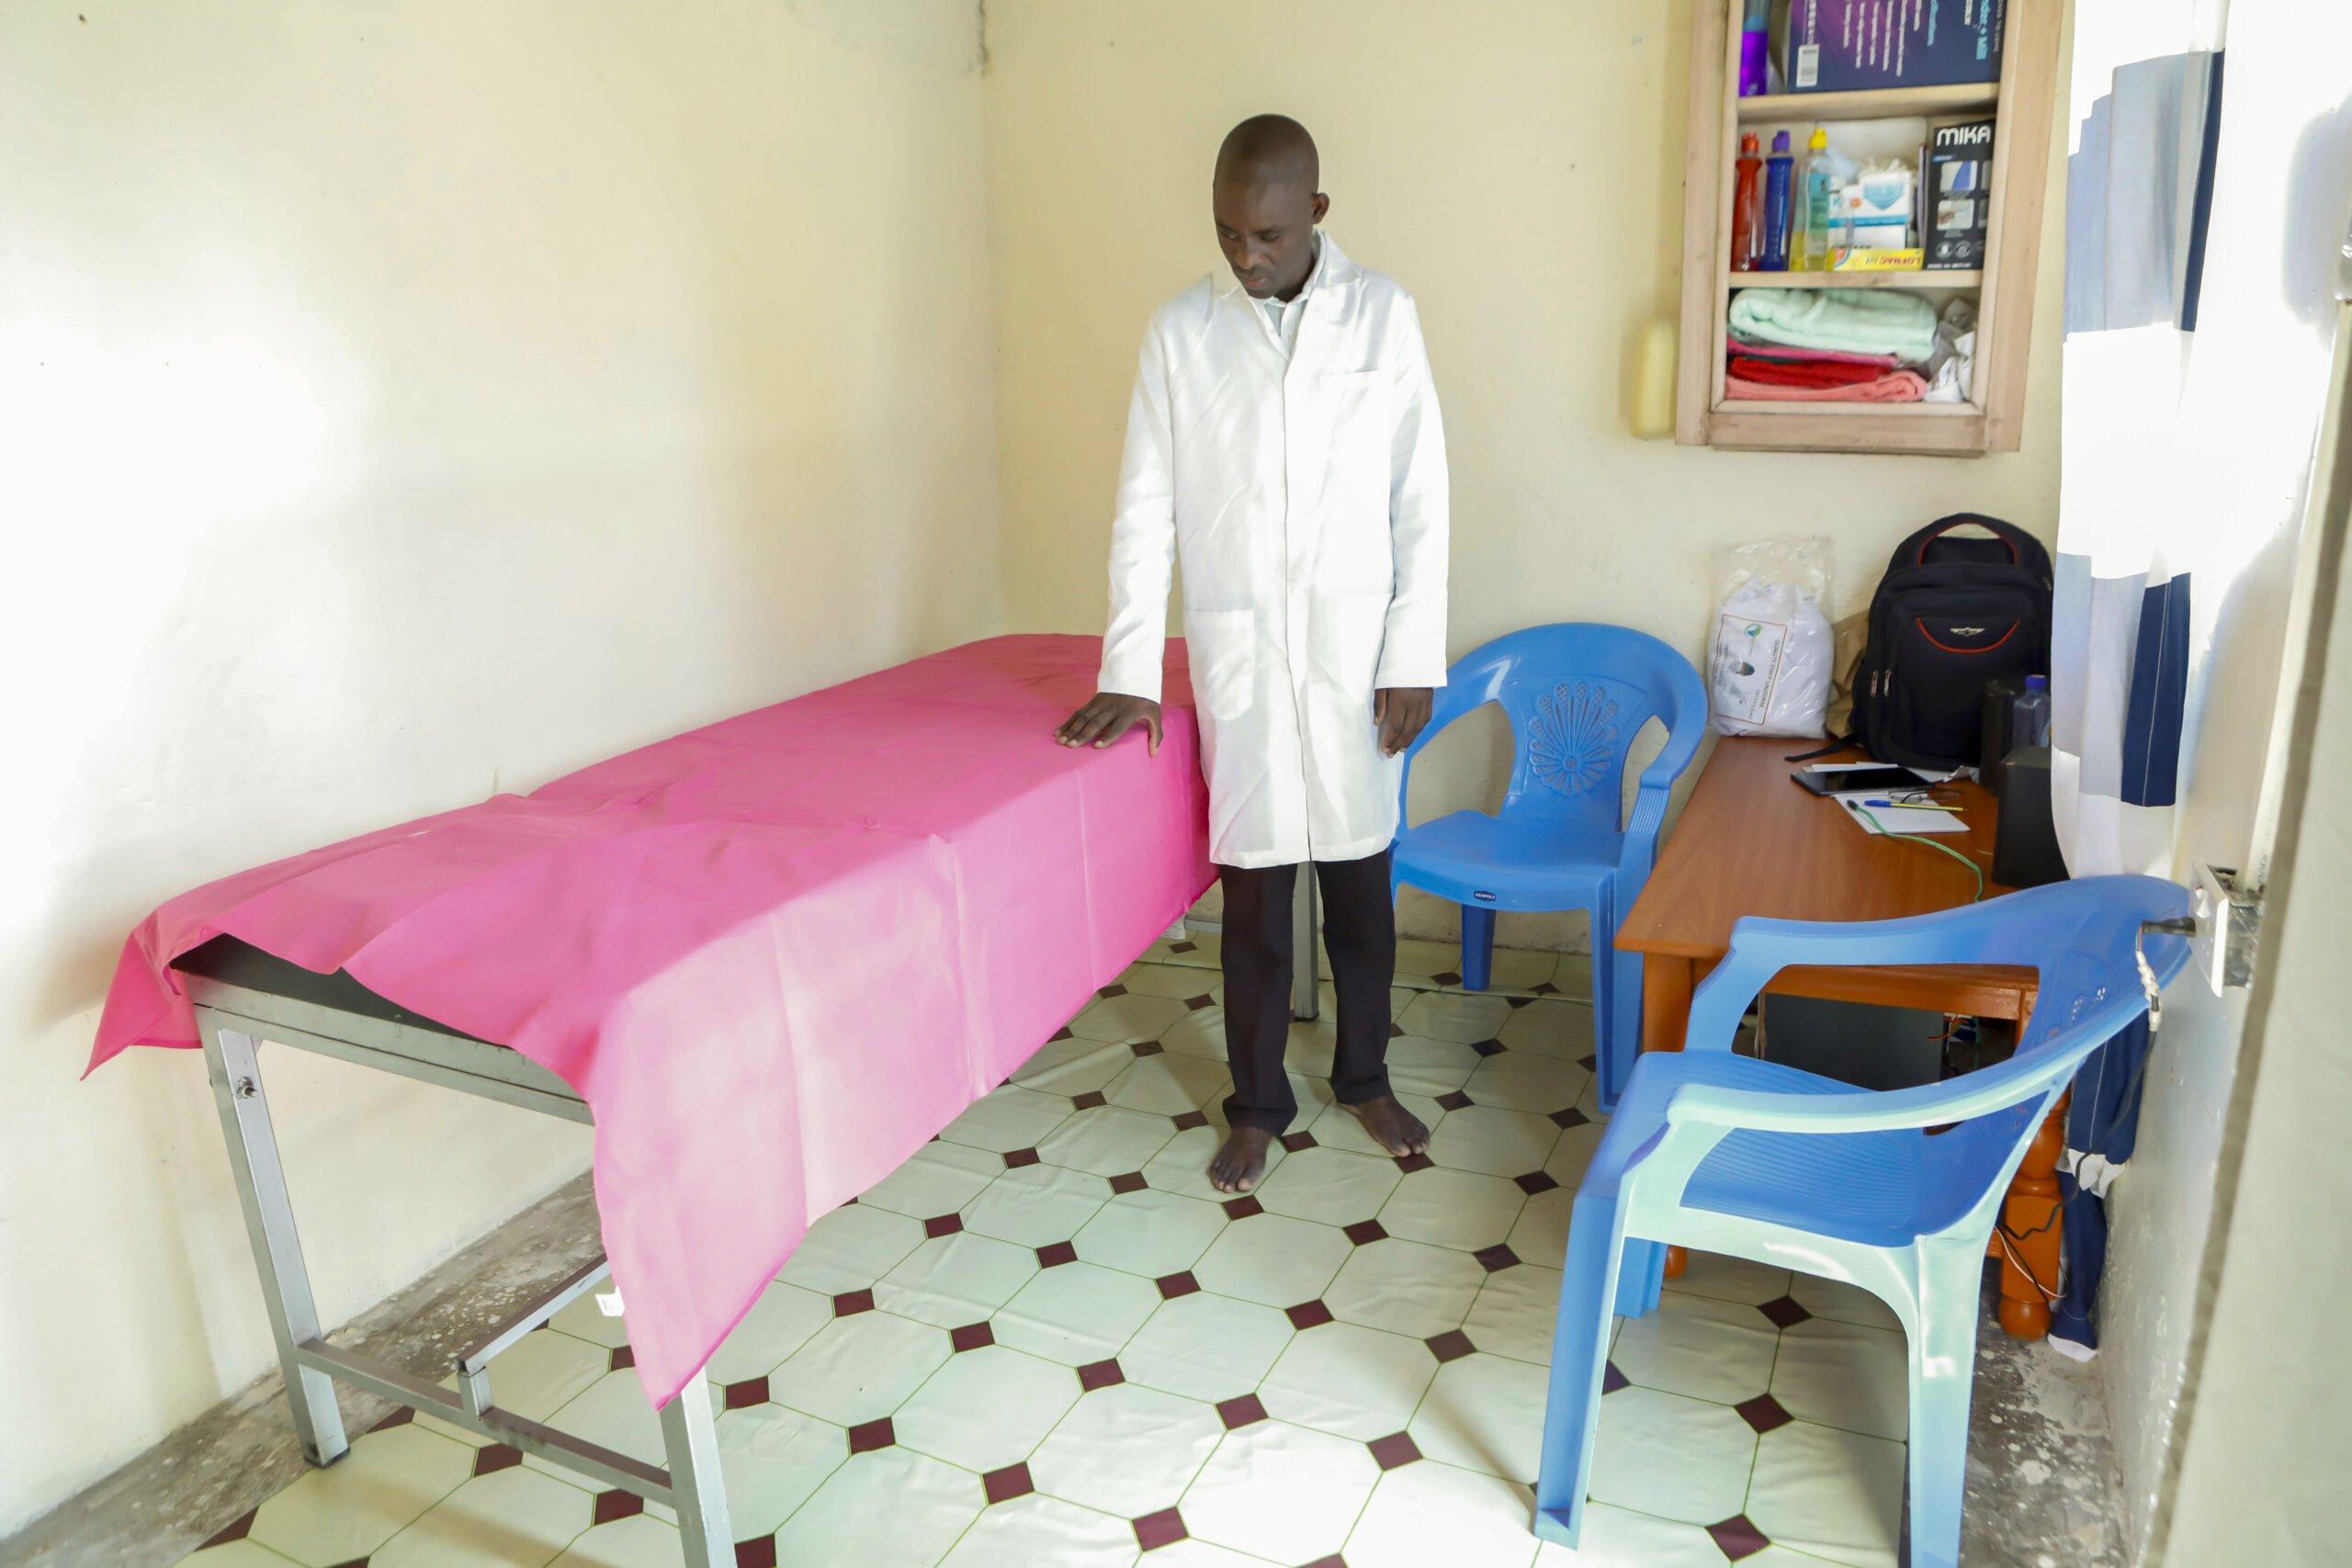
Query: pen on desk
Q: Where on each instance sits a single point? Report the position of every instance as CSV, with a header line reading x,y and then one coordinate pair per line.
x,y
1913,805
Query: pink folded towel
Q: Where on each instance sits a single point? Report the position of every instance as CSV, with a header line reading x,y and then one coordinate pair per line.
x,y
1760,349
1896,387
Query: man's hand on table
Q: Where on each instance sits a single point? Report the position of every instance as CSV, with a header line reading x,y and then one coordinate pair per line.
x,y
1109,715
1402,713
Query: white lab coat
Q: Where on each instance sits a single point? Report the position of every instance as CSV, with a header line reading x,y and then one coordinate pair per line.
x,y
1306,498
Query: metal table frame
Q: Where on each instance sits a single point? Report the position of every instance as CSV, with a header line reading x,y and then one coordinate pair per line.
x,y
233,1020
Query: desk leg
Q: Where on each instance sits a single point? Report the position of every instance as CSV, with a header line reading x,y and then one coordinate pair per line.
x,y
691,1436
2031,1212
1666,1018
233,1062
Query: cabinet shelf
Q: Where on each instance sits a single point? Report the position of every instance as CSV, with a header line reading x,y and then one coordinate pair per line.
x,y
1881,103
1919,279
2023,105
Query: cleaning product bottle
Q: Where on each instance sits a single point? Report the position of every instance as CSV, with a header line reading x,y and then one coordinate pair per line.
x,y
1754,76
1778,169
1744,198
1816,204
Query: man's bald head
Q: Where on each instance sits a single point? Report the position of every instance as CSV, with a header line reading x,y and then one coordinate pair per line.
x,y
1266,204
1269,149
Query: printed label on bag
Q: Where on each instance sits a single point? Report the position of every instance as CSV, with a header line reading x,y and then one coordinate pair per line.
x,y
1745,666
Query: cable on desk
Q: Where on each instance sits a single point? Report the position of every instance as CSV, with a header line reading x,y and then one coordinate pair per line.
x,y
1886,832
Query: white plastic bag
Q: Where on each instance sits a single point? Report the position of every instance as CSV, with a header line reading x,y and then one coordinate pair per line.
x,y
1769,667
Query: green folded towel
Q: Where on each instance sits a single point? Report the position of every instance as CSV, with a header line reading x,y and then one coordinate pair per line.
x,y
1859,320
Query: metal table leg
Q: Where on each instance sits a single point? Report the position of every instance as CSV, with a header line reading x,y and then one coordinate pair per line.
x,y
699,1491
235,1070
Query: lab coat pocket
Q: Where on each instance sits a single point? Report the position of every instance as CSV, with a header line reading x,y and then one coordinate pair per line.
x,y
1223,648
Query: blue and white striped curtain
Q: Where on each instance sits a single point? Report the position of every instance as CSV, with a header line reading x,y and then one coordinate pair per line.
x,y
2139,188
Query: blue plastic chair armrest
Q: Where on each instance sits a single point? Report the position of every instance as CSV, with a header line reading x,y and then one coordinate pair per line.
x,y
1451,702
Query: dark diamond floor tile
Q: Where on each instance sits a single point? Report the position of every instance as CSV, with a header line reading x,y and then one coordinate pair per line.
x,y
1003,1485
1107,992
1146,1047
1334,1560
1184,947
1197,1003
1518,1002
1019,1157
1764,1413
1491,1047
1450,1346
1088,1100
1544,988
236,1529
1394,1450
1536,1181
1061,1033
496,1457
971,1336
1784,1311
1240,1411
623,1357
1243,1207
1457,1100
354,1563
1448,979
750,1392
1395,1031
1189,1120
757,1552
1165,1528
1590,1063
872,1435
617,1505
1571,1117
1411,1163
1178,1284
1611,1380
943,1224
1128,1181
1294,1142
1495,1259
1363,1233
849,1303
1054,1254
1737,1536
401,1414
1308,1315
1100,1374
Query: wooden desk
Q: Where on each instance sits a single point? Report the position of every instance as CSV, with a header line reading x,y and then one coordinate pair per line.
x,y
1751,842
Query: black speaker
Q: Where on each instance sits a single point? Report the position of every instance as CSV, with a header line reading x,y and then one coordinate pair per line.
x,y
2025,842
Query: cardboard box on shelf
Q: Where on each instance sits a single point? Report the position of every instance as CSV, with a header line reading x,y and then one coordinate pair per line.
x,y
1959,173
1872,259
1840,46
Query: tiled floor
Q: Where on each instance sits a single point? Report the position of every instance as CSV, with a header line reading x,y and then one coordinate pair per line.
x,y
1046,1340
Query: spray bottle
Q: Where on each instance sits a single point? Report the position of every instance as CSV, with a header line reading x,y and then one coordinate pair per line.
x,y
1754,56
1778,170
1745,197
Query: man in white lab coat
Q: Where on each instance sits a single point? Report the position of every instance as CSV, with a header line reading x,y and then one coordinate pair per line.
x,y
1283,442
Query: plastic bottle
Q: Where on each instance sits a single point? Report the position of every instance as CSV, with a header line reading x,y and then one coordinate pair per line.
x,y
1778,171
1746,194
1754,73
1816,204
2029,720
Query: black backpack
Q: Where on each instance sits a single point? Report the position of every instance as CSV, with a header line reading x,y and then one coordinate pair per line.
x,y
1949,615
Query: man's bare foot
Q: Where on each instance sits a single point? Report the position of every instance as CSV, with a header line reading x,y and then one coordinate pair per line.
x,y
1392,1126
1241,1163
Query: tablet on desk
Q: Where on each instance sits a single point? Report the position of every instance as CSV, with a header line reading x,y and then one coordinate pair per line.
x,y
1877,779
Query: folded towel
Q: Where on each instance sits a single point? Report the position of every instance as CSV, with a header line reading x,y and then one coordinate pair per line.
x,y
1859,320
1895,386
1803,372
1763,350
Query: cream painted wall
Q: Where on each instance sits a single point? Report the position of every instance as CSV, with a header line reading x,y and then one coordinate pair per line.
x,y
1516,166
401,402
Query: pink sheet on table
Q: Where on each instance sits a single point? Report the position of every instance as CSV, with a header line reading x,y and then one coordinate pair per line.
x,y
1760,349
1895,386
774,955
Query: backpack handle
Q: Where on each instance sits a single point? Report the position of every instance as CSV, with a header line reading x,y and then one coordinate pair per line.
x,y
2007,533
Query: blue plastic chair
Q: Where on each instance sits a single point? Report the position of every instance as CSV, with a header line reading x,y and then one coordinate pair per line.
x,y
1575,695
1762,1161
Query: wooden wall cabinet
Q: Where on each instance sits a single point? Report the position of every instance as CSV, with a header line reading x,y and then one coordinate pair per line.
x,y
2023,102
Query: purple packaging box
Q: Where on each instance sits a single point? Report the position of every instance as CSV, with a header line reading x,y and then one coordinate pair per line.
x,y
1840,46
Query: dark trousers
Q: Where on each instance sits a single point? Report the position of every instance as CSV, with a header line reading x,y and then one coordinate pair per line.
x,y
1359,935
